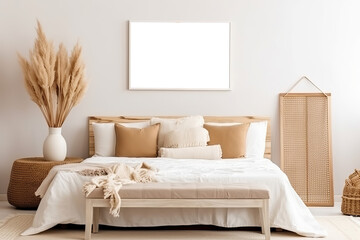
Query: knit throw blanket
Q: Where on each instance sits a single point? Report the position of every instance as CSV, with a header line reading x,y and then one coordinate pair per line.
x,y
111,179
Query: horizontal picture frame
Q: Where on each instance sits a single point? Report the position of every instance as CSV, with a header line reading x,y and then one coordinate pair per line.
x,y
179,56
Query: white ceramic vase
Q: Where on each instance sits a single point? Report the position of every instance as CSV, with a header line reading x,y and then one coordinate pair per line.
x,y
54,147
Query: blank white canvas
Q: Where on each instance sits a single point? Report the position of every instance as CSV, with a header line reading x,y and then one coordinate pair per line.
x,y
179,56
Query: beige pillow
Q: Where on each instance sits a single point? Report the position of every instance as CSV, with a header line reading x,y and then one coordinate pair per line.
x,y
208,152
135,142
232,139
192,137
169,124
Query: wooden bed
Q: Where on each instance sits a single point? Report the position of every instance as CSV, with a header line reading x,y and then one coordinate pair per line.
x,y
286,208
127,119
94,203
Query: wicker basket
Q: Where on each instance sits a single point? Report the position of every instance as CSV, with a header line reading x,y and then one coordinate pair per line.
x,y
355,178
351,195
26,176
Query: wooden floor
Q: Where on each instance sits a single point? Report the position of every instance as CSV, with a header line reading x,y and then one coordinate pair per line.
x,y
6,209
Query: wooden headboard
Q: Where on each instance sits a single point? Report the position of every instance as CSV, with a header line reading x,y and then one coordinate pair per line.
x,y
126,119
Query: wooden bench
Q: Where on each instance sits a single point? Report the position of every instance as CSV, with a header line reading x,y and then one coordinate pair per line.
x,y
182,195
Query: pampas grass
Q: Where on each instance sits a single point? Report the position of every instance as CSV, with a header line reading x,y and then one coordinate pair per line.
x,y
55,81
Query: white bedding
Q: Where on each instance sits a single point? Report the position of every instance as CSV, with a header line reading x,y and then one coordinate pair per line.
x,y
64,201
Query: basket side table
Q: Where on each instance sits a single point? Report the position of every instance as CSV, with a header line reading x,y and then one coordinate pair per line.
x,y
26,176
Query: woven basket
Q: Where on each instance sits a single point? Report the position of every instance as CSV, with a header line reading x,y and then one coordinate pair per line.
x,y
355,178
351,195
26,176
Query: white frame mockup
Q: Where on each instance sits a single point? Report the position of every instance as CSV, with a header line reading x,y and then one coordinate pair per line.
x,y
179,56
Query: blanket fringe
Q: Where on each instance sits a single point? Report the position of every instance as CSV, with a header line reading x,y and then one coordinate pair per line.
x,y
111,179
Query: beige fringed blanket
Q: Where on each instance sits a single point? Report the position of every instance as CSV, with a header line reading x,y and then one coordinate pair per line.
x,y
113,178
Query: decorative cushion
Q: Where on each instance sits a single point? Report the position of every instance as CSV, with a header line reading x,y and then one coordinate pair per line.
x,y
167,125
192,137
105,138
136,142
255,139
232,139
208,152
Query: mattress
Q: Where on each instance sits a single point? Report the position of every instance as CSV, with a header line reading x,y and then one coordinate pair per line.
x,y
64,201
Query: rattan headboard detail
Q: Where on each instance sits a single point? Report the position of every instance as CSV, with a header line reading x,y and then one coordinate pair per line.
x,y
124,119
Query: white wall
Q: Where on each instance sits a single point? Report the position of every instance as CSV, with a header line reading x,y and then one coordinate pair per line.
x,y
274,43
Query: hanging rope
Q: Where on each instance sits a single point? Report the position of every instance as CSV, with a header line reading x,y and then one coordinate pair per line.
x,y
302,78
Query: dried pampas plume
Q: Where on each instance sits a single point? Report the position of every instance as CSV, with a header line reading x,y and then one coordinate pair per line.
x,y
55,81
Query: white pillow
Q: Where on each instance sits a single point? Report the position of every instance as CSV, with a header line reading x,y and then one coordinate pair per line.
x,y
208,152
167,125
192,137
105,138
255,138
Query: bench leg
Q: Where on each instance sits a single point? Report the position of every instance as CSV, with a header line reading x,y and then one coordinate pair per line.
x,y
89,219
265,228
96,219
261,214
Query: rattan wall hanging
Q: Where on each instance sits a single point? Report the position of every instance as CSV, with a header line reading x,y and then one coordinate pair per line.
x,y
305,140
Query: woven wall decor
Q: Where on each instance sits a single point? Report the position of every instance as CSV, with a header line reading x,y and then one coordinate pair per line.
x,y
305,140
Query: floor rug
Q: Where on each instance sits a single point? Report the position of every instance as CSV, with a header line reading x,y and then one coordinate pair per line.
x,y
338,227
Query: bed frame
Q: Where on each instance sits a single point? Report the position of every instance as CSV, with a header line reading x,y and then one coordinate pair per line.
x,y
127,119
262,203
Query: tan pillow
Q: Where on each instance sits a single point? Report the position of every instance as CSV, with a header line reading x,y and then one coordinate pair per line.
x,y
135,142
232,139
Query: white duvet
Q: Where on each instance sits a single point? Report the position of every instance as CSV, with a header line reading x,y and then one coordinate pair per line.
x,y
64,201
